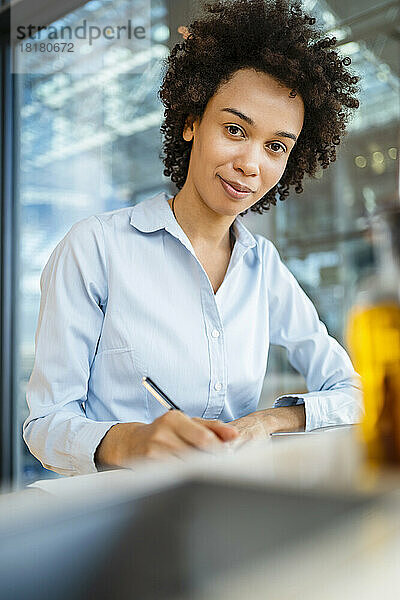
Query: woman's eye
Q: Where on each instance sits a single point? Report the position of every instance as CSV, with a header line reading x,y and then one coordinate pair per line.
x,y
277,148
233,127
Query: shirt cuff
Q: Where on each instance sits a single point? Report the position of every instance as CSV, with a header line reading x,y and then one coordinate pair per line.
x,y
85,444
327,408
311,417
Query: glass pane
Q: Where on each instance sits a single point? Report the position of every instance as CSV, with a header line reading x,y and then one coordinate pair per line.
x,y
88,144
323,234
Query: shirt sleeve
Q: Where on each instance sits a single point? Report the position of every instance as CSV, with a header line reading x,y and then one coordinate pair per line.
x,y
334,388
73,299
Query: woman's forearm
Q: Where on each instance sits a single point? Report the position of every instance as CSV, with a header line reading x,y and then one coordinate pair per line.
x,y
285,418
271,420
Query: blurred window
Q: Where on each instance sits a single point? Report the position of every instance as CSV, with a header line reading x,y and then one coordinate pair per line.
x,y
323,234
89,142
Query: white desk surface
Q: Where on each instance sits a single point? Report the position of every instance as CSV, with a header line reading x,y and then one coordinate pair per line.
x,y
358,559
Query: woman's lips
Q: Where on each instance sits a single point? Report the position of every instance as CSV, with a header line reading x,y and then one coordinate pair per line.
x,y
231,191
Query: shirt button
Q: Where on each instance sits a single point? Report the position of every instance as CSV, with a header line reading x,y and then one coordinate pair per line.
x,y
218,386
215,333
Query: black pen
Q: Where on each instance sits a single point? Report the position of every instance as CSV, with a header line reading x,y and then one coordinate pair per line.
x,y
159,394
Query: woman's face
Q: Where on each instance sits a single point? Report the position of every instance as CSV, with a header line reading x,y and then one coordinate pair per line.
x,y
250,149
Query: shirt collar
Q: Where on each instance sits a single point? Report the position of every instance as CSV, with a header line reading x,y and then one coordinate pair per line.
x,y
154,213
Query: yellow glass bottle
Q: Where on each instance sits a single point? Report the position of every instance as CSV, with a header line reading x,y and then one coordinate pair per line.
x,y
373,337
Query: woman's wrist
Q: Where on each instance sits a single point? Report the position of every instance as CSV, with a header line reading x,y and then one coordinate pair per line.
x,y
102,458
286,418
110,453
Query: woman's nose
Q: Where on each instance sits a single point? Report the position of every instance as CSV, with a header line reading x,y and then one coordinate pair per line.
x,y
248,163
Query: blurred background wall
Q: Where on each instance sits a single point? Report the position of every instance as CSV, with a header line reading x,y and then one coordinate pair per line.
x,y
75,144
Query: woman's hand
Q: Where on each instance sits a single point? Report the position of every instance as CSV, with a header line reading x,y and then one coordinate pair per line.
x,y
173,434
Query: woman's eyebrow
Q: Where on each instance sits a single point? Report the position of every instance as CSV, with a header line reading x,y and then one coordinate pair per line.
x,y
250,121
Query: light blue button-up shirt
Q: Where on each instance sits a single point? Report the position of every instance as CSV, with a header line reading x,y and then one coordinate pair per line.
x,y
123,295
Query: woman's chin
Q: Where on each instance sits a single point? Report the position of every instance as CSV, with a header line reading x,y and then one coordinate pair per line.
x,y
226,211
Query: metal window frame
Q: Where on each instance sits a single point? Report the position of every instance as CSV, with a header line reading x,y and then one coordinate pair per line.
x,y
25,11
7,273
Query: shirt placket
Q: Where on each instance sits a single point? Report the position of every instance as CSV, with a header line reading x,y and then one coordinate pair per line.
x,y
215,336
214,328
217,355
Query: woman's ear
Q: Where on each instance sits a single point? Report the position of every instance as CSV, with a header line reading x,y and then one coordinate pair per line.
x,y
188,130
184,31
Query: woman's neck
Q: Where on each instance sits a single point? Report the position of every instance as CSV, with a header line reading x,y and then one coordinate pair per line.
x,y
204,228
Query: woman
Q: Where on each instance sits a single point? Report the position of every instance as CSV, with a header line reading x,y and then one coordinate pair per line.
x,y
177,288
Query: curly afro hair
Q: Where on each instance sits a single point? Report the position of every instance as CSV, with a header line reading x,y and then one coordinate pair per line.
x,y
273,37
